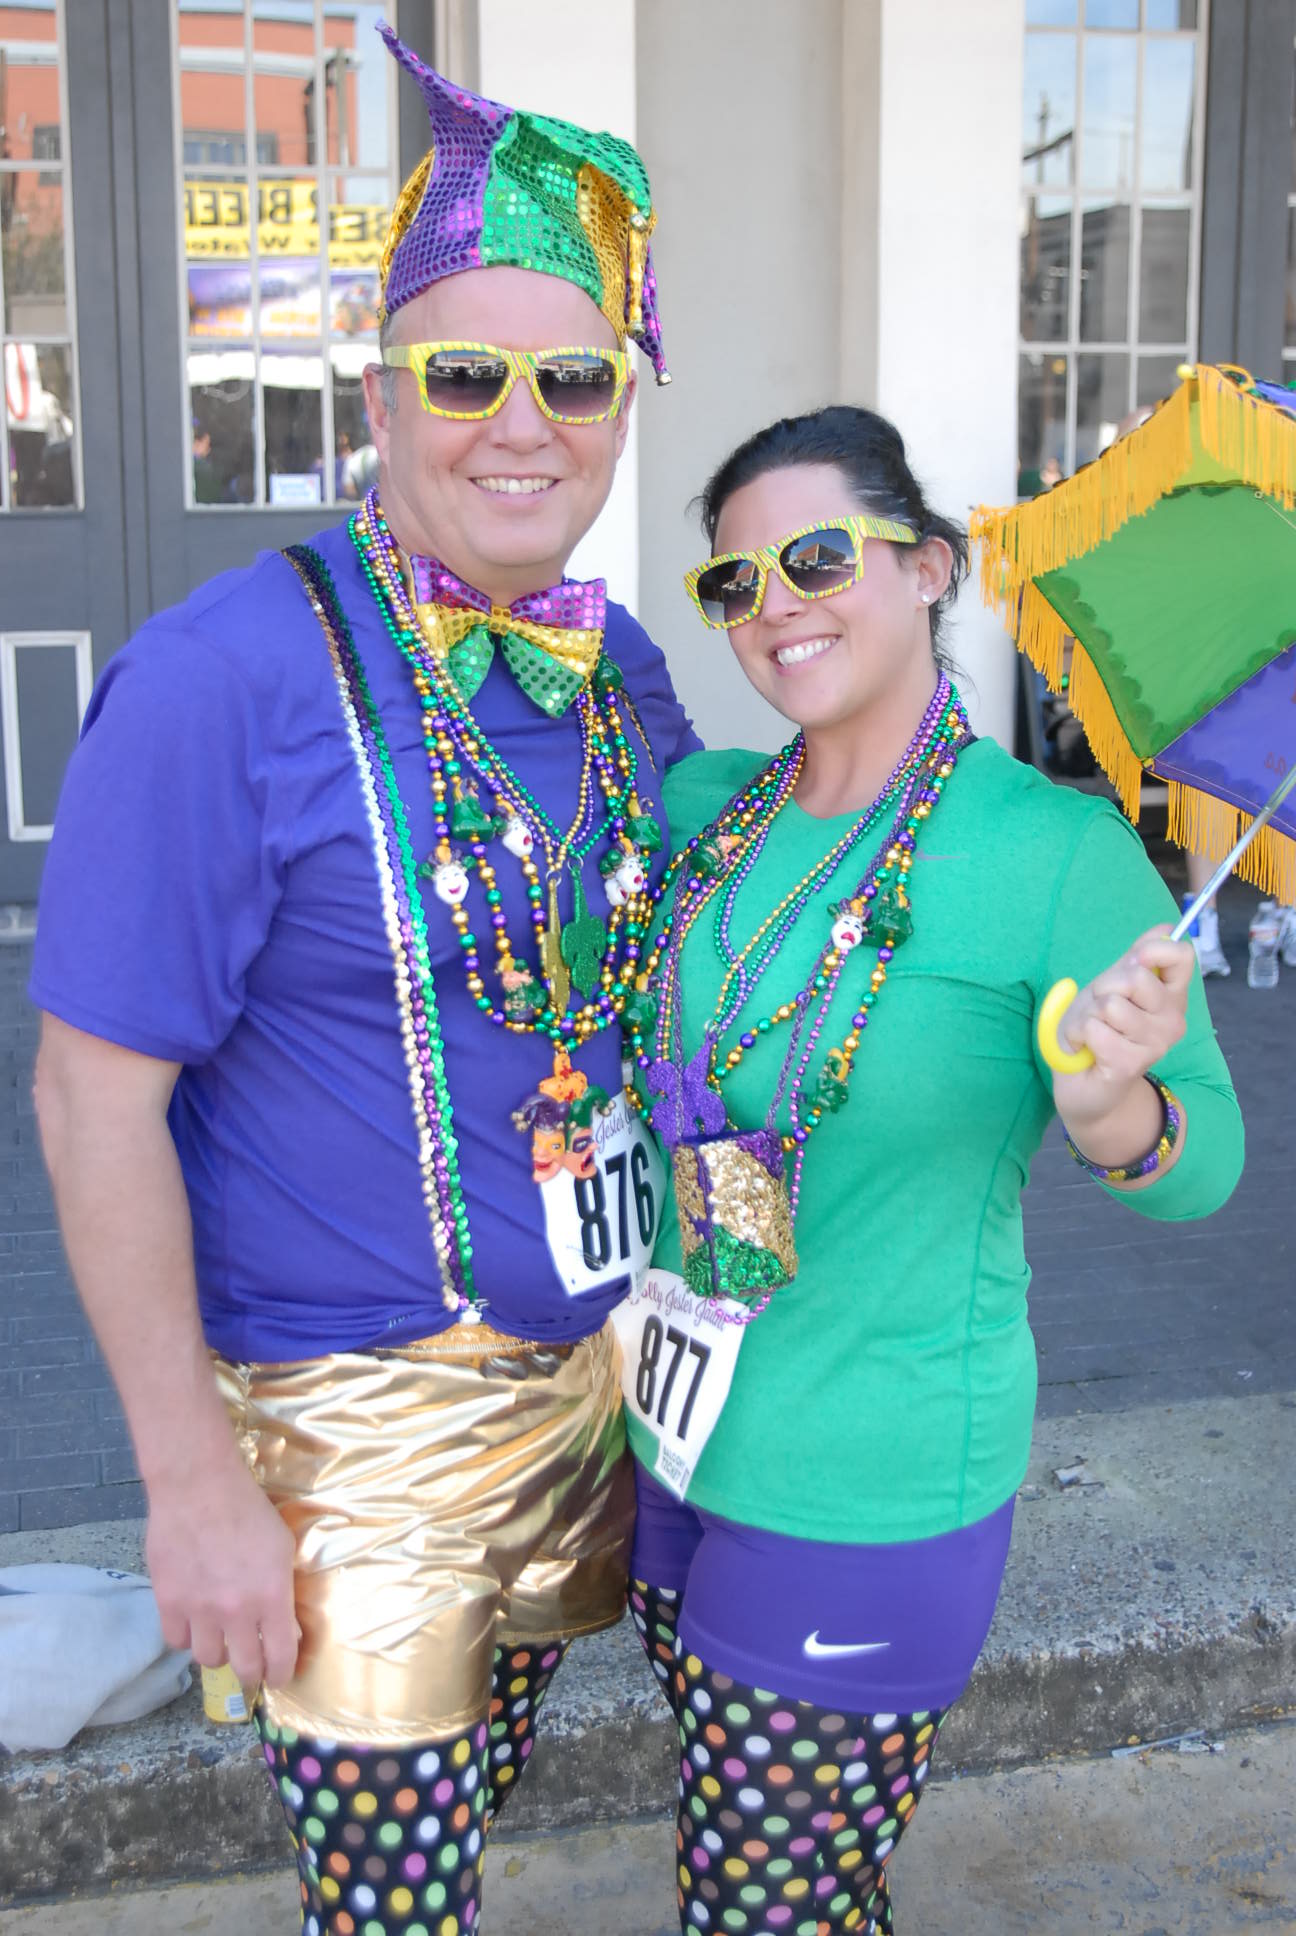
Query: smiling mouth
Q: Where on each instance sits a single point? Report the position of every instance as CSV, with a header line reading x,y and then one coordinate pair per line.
x,y
802,651
515,486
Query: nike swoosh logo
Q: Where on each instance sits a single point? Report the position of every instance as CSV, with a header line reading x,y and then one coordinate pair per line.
x,y
816,1649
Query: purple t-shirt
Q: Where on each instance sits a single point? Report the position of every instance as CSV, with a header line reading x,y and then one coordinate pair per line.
x,y
211,898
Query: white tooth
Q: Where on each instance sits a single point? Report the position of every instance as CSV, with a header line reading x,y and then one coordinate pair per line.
x,y
799,653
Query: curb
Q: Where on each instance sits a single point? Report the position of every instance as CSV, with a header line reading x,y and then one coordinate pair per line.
x,y
1158,1595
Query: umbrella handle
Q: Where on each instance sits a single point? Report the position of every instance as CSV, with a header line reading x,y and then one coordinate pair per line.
x,y
1067,1062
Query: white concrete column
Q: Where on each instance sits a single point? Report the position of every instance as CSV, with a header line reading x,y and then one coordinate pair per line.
x,y
739,123
948,94
575,59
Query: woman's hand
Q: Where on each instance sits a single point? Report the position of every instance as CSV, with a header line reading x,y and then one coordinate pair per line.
x,y
1128,1018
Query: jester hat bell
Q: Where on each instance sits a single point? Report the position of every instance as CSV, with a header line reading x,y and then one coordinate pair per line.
x,y
501,186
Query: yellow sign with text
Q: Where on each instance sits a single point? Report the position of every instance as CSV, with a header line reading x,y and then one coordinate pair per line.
x,y
217,223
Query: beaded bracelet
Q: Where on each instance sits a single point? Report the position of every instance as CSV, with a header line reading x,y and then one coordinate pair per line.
x,y
1171,1129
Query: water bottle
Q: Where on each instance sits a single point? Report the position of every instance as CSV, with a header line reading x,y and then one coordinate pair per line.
x,y
1266,932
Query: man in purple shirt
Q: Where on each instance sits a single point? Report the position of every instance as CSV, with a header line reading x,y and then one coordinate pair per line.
x,y
344,903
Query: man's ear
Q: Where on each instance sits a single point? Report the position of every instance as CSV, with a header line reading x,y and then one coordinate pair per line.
x,y
623,415
376,409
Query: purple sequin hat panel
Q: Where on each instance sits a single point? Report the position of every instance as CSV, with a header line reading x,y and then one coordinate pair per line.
x,y
445,234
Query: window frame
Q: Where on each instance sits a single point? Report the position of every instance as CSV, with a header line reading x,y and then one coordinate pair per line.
x,y
250,176
47,171
1072,345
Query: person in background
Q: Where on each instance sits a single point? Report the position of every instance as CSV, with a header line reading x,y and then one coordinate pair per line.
x,y
1271,936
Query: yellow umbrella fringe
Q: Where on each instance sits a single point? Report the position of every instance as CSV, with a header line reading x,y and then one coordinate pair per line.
x,y
1205,825
1250,437
1024,541
1042,636
1091,703
1247,434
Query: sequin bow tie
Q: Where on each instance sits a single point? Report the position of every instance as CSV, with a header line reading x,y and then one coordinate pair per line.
x,y
550,640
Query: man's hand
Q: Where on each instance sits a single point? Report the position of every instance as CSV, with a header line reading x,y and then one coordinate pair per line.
x,y
221,1562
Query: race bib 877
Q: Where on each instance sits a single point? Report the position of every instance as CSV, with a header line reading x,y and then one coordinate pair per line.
x,y
678,1353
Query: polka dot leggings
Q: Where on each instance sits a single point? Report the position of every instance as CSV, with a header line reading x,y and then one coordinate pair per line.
x,y
788,1812
391,1841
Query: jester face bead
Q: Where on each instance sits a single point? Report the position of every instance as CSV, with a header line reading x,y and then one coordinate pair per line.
x,y
450,883
625,881
848,932
517,837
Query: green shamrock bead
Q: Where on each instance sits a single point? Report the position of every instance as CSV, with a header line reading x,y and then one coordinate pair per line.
x,y
469,820
584,939
639,1011
645,833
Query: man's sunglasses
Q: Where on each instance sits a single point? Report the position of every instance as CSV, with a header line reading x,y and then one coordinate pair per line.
x,y
814,563
469,381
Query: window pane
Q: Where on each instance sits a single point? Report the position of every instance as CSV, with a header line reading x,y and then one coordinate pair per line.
x,y
356,74
1104,272
38,387
29,98
1102,393
216,217
294,447
220,300
1048,108
1163,275
1167,135
355,458
31,235
1107,137
1046,268
1158,377
213,101
1041,421
1170,14
353,302
1051,13
283,84
1111,13
290,300
358,212
220,400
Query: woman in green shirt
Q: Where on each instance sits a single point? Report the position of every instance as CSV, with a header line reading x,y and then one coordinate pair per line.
x,y
830,1373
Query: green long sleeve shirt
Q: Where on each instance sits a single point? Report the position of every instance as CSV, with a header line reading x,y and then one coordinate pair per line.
x,y
888,1393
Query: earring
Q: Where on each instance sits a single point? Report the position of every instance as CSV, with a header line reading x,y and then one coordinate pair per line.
x,y
926,598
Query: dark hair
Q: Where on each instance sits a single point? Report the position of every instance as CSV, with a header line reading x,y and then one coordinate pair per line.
x,y
870,454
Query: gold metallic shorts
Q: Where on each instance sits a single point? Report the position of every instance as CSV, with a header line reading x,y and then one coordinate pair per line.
x,y
447,1496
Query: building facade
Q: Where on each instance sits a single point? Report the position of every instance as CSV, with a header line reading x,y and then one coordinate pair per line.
x,y
1005,226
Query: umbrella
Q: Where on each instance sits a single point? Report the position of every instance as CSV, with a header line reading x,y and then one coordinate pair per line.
x,y
1169,564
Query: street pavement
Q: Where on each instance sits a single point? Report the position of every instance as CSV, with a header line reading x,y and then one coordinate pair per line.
x,y
1157,1844
1127,1312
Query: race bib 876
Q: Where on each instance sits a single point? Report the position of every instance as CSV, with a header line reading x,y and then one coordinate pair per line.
x,y
601,1217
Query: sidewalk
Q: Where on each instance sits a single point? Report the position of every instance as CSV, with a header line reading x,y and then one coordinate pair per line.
x,y
1178,1845
1126,1312
1157,1597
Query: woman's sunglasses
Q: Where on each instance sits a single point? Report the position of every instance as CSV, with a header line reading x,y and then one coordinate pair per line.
x,y
814,563
469,381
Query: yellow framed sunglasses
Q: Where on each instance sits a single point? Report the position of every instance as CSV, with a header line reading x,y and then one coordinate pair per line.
x,y
470,381
814,563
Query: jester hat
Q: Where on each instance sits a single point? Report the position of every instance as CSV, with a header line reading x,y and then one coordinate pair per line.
x,y
501,186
